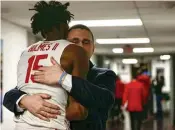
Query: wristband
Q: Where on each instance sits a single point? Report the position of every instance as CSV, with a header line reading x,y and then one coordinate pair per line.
x,y
62,76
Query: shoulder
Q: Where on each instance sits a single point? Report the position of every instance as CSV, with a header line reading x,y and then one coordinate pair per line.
x,y
140,84
75,50
75,56
128,84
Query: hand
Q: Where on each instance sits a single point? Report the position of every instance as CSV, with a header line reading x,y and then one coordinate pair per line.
x,y
49,75
37,105
124,107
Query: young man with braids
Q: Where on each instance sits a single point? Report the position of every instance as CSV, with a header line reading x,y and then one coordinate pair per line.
x,y
88,92
51,20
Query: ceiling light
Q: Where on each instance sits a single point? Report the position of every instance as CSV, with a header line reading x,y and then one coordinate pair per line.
x,y
108,23
143,50
123,41
129,61
165,57
107,62
117,50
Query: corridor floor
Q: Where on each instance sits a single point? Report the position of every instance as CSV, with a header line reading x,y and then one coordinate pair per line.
x,y
152,124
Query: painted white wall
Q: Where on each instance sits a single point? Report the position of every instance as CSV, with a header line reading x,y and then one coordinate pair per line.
x,y
94,59
114,66
14,41
125,73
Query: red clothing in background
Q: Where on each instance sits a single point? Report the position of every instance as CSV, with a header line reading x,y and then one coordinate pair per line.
x,y
134,95
147,83
119,89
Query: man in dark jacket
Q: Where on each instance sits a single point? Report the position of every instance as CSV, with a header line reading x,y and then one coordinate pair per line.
x,y
158,85
96,93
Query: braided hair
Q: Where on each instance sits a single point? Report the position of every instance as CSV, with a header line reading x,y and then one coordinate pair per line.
x,y
49,14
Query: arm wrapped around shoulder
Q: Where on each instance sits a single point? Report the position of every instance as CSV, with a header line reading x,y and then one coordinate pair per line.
x,y
79,62
75,111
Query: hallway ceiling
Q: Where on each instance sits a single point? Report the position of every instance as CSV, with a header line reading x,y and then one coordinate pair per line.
x,y
158,20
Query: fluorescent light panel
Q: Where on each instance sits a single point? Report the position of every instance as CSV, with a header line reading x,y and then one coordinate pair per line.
x,y
165,57
129,61
107,62
143,50
108,23
123,41
117,50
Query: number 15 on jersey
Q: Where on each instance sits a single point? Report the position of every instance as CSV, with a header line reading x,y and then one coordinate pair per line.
x,y
33,65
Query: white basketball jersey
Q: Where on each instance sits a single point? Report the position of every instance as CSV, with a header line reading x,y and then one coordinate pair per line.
x,y
32,58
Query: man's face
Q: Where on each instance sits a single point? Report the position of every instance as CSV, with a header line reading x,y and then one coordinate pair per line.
x,y
83,38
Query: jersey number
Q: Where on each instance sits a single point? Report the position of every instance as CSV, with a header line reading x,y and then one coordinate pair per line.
x,y
33,65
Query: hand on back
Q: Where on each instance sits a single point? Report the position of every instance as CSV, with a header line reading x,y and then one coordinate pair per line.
x,y
38,106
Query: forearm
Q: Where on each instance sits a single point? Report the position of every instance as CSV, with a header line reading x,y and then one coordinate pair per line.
x,y
73,115
100,94
10,99
90,95
75,111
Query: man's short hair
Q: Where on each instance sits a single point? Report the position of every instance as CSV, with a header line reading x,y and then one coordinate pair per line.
x,y
81,26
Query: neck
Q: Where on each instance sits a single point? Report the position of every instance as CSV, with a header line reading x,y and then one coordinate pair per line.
x,y
52,37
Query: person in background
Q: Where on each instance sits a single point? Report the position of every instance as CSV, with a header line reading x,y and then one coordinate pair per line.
x,y
145,80
118,96
158,84
134,100
116,109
